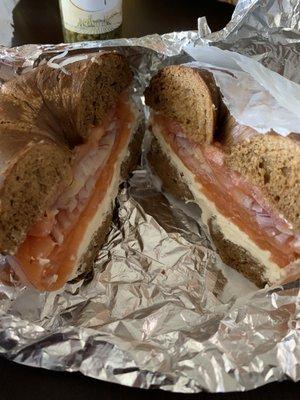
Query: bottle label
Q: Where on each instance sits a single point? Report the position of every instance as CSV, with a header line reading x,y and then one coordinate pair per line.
x,y
91,17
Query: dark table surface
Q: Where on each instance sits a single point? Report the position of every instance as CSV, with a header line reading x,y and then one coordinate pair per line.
x,y
38,21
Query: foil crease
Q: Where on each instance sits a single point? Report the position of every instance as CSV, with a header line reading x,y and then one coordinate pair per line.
x,y
267,30
160,309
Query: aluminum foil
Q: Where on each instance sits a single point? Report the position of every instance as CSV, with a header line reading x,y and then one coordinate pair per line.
x,y
160,310
267,30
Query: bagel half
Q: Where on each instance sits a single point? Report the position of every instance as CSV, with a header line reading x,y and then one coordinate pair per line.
x,y
68,137
246,184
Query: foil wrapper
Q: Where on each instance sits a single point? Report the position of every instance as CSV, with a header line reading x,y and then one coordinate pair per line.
x,y
160,309
266,30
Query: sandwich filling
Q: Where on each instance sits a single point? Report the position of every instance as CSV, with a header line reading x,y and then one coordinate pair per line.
x,y
231,194
54,245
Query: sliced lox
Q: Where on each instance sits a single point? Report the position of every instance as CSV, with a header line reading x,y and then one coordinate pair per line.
x,y
233,196
47,257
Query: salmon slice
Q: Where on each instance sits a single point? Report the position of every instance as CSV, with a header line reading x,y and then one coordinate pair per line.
x,y
47,257
233,196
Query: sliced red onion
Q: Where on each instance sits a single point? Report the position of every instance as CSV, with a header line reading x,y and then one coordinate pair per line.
x,y
238,195
256,207
79,209
107,141
71,192
90,185
17,268
43,261
85,170
72,204
203,168
83,195
50,280
285,227
112,127
73,199
185,144
264,221
89,162
207,169
236,179
281,238
225,181
267,208
197,163
247,202
81,175
57,235
214,155
64,220
296,243
271,232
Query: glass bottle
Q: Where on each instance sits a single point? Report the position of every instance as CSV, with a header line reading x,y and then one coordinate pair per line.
x,y
91,19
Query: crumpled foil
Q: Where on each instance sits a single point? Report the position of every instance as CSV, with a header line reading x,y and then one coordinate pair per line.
x,y
267,30
161,310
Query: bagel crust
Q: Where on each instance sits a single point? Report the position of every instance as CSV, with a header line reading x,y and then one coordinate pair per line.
x,y
44,114
189,96
272,163
194,160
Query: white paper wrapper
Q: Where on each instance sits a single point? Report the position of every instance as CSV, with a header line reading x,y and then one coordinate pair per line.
x,y
251,91
160,310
